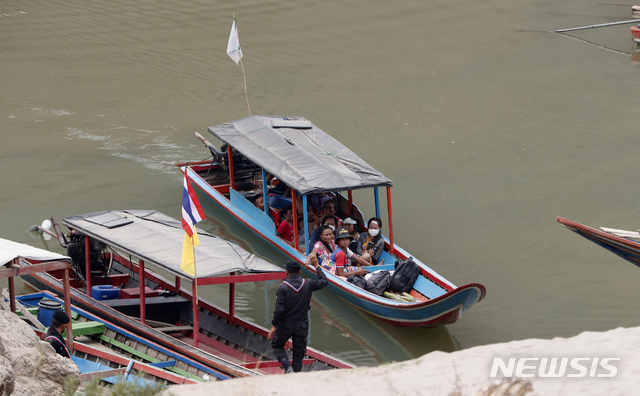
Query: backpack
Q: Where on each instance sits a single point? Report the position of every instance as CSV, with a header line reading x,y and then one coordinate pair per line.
x,y
404,276
378,282
357,280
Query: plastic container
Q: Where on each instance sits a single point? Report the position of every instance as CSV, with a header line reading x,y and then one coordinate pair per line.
x,y
46,309
105,292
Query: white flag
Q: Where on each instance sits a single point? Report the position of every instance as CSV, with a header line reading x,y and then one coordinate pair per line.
x,y
233,48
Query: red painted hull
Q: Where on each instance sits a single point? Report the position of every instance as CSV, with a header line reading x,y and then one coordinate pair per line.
x,y
635,33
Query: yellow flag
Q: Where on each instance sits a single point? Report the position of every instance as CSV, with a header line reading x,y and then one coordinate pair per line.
x,y
188,263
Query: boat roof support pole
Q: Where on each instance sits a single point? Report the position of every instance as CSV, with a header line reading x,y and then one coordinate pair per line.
x,y
265,192
350,203
305,215
232,301
377,201
194,304
12,289
392,248
143,298
87,264
232,180
67,308
177,284
294,202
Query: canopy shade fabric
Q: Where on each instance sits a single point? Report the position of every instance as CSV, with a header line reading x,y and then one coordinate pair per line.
x,y
10,250
299,153
157,239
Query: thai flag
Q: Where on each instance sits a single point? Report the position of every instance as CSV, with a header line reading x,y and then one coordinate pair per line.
x,y
191,210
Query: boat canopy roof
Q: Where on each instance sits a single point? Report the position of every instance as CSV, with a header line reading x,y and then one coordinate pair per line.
x,y
10,250
299,153
158,239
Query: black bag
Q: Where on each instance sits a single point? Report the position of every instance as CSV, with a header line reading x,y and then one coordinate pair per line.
x,y
357,280
378,282
404,276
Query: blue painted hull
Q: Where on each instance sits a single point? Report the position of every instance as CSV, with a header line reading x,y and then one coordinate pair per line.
x,y
444,309
625,248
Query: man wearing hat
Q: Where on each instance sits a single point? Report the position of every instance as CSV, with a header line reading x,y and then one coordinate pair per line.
x,y
53,335
291,318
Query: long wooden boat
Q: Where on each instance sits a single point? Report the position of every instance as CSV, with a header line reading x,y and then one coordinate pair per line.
x,y
625,244
19,259
103,350
125,243
309,161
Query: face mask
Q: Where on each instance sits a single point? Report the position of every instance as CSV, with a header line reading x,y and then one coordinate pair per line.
x,y
373,233
332,228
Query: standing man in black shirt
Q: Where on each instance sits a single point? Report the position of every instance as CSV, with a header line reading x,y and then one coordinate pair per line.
x,y
291,318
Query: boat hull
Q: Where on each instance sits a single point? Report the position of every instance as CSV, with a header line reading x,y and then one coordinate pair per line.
x,y
635,34
442,310
622,247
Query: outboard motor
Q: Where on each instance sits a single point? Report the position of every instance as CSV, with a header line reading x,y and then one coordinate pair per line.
x,y
76,250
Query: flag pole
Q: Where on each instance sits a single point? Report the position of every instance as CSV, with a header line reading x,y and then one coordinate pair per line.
x,y
196,322
242,65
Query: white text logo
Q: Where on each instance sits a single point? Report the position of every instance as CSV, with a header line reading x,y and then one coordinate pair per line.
x,y
554,367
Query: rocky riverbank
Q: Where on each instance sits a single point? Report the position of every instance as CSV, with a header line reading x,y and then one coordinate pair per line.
x,y
29,366
590,363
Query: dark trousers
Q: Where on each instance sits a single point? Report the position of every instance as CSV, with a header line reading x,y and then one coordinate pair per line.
x,y
298,332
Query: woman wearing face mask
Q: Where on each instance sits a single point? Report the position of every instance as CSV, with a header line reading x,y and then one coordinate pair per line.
x,y
371,243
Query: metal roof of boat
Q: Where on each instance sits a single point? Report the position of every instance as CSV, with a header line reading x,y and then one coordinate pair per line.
x,y
10,250
157,239
299,153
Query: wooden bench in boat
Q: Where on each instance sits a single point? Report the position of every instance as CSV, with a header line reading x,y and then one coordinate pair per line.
x,y
164,309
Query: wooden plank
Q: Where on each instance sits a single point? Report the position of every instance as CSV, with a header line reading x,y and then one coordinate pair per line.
x,y
33,268
170,329
28,315
241,278
88,328
144,356
101,374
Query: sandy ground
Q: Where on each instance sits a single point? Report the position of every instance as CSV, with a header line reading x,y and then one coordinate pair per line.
x,y
467,372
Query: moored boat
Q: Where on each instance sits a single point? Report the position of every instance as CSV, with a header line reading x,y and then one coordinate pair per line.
x,y
309,161
625,244
635,34
103,350
115,248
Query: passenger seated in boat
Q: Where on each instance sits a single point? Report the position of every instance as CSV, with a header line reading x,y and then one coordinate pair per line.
x,y
353,226
371,243
285,228
341,256
326,245
318,200
330,208
259,202
330,221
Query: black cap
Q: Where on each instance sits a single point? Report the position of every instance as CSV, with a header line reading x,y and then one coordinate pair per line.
x,y
61,317
343,233
293,265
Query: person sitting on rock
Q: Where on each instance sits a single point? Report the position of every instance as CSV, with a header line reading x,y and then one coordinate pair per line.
x,y
59,320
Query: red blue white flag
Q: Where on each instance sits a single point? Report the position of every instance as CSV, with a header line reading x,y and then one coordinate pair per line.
x,y
191,214
191,210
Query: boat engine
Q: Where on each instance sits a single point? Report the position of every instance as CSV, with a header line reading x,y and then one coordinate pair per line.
x,y
76,250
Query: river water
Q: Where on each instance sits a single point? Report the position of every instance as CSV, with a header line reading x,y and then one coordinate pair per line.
x,y
489,126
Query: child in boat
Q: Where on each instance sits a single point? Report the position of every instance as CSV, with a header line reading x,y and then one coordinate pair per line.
x,y
342,256
371,243
352,225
